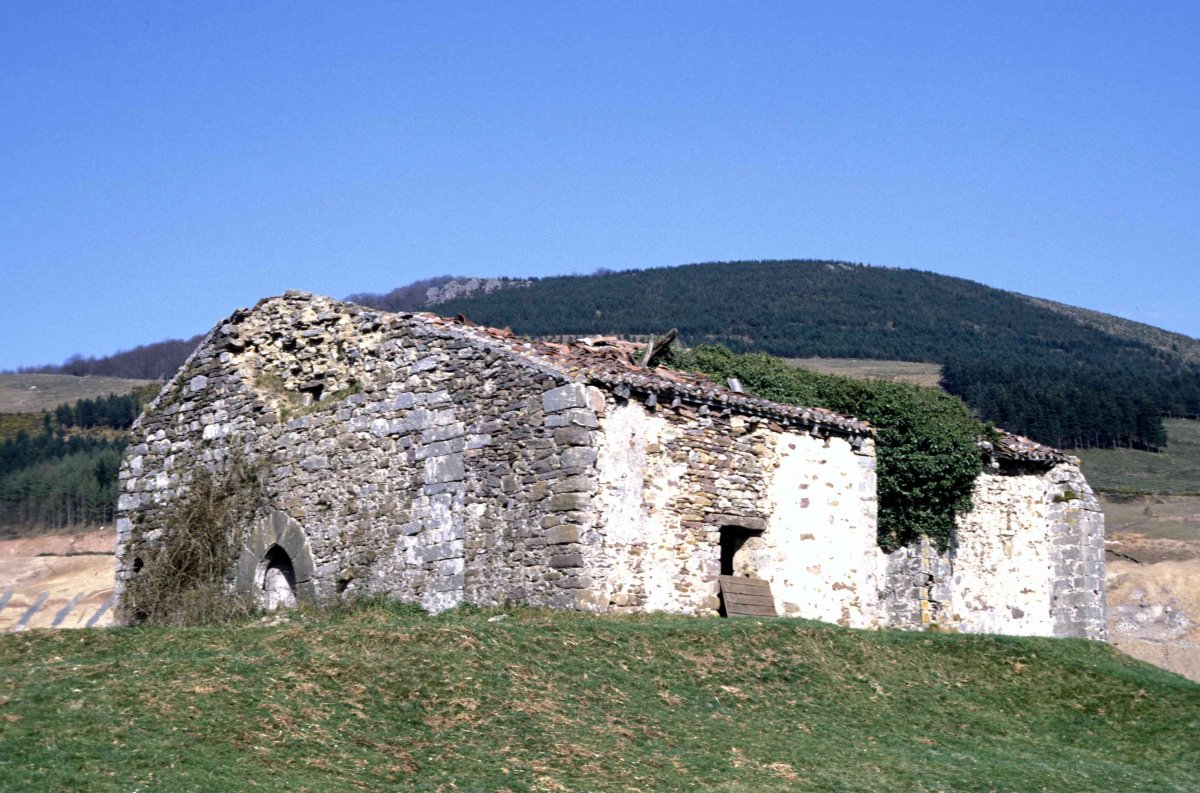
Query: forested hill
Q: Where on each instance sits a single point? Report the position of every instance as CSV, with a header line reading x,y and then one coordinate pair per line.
x,y
156,361
1066,376
1062,378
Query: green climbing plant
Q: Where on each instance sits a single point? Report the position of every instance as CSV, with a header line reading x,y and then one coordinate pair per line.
x,y
926,441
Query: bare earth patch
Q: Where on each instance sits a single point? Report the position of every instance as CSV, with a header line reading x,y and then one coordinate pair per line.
x,y
71,570
1154,579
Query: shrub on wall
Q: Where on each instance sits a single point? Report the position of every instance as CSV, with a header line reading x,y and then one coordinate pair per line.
x,y
926,440
183,578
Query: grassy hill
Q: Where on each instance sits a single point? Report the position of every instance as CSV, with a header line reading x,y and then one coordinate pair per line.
x,y
926,374
1185,347
1063,375
1066,377
31,393
383,698
1175,471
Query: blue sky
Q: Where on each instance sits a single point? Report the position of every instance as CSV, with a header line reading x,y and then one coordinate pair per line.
x,y
162,164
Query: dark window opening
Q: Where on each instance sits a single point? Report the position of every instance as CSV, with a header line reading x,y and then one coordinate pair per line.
x,y
311,392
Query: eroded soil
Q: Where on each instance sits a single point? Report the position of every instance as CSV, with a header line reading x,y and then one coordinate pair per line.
x,y
1154,579
73,571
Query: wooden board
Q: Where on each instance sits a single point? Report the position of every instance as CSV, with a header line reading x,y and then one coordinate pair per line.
x,y
747,597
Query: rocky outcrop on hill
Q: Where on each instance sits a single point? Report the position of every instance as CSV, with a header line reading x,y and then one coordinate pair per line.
x,y
465,287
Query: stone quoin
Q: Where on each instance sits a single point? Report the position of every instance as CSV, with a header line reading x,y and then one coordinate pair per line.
x,y
438,462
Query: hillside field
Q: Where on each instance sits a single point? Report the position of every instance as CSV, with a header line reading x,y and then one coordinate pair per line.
x,y
926,374
28,393
1175,471
1062,375
384,698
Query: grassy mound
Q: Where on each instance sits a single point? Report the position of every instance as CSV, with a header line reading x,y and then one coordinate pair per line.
x,y
386,698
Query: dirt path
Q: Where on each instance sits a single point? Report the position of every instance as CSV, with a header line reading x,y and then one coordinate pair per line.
x,y
67,577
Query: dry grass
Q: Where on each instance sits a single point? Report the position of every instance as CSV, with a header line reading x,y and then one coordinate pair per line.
x,y
924,374
28,393
1175,471
183,576
1165,518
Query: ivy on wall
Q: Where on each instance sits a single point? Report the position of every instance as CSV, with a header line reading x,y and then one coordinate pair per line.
x,y
926,440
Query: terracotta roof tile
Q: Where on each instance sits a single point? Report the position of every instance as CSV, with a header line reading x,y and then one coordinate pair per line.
x,y
612,362
1018,447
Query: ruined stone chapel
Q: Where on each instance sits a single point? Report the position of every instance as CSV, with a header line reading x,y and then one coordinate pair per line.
x,y
438,462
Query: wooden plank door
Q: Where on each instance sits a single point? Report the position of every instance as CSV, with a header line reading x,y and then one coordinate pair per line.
x,y
747,597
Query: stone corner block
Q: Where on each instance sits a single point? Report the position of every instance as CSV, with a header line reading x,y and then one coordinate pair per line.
x,y
572,395
445,469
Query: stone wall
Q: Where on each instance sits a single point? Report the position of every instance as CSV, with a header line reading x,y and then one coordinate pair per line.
x,y
1078,587
671,480
820,552
1027,560
915,586
401,457
418,464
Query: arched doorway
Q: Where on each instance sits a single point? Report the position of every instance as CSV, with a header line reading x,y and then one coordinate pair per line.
x,y
276,542
279,580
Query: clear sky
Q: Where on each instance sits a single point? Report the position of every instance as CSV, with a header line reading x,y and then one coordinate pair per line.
x,y
162,164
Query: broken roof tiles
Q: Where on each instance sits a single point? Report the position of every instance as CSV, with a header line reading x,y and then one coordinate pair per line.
x,y
613,363
1017,447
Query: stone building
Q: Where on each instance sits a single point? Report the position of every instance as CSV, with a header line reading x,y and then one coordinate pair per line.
x,y
439,462
1027,560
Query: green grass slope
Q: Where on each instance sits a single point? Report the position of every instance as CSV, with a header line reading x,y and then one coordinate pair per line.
x,y
926,374
383,699
1175,471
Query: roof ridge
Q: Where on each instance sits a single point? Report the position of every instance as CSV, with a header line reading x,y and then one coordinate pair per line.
x,y
607,361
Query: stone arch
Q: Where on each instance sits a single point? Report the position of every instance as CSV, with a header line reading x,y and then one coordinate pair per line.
x,y
277,542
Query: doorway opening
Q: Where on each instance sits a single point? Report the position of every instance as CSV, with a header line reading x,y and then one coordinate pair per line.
x,y
733,539
279,581
739,591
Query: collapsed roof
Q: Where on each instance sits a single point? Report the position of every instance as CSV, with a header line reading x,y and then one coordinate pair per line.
x,y
623,367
